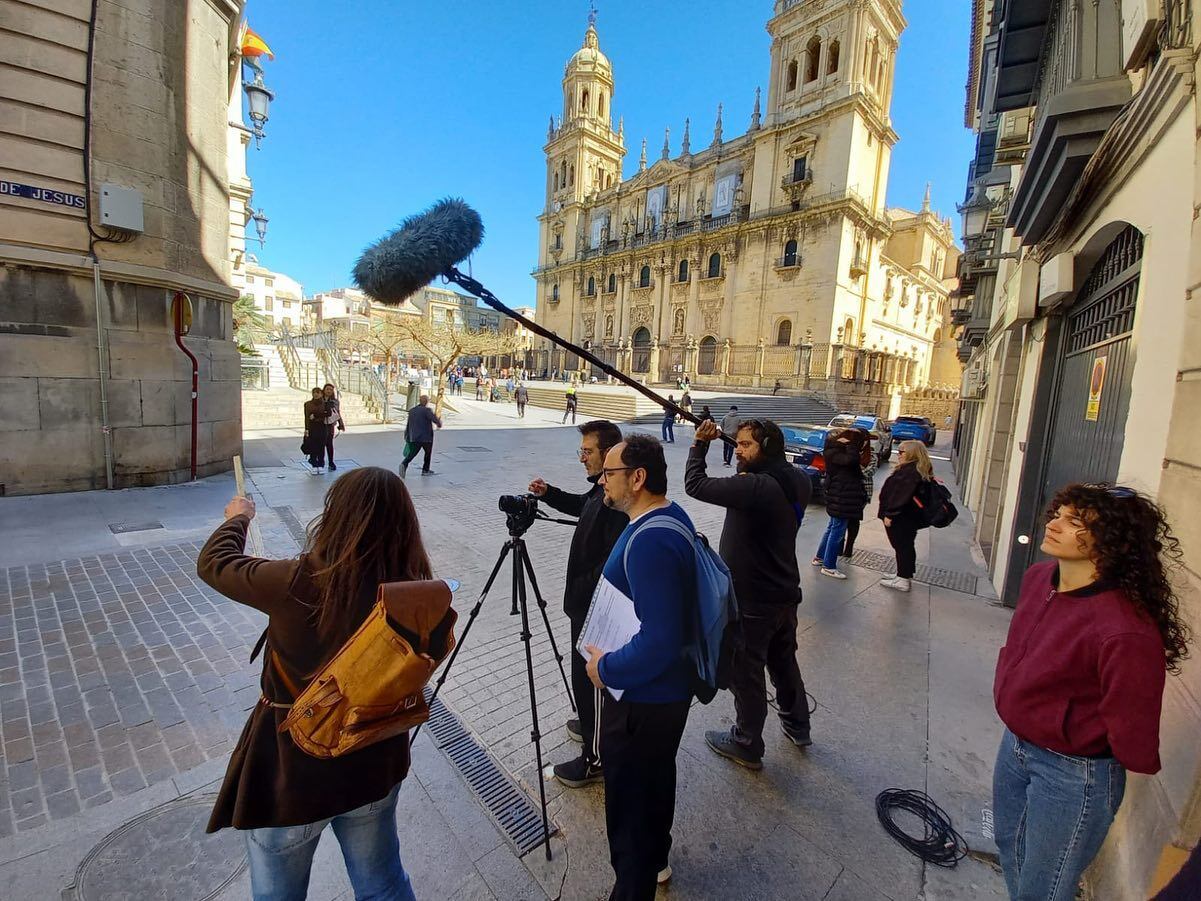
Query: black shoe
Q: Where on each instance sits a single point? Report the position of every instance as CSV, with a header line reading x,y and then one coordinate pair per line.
x,y
428,472
722,742
578,773
332,467
574,732
799,737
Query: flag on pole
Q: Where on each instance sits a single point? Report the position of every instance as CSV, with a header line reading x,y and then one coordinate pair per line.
x,y
254,46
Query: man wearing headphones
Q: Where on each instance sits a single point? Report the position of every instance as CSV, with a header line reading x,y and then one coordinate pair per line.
x,y
764,503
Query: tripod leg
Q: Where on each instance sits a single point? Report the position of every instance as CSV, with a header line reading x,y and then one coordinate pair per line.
x,y
524,553
535,735
475,611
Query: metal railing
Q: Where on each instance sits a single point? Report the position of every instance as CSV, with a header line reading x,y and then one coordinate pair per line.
x,y
256,376
353,378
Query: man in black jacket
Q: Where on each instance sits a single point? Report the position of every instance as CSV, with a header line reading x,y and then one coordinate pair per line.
x,y
595,534
764,505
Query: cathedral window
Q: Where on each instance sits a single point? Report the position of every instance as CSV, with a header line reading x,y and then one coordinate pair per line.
x,y
556,181
792,75
832,57
554,293
600,105
799,168
790,253
848,332
715,265
706,362
644,277
813,54
591,286
682,272
584,102
784,333
612,283
571,175
563,176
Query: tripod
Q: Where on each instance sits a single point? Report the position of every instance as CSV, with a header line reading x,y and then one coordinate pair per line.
x,y
522,567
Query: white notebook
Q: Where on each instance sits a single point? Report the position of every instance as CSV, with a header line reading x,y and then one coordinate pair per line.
x,y
610,624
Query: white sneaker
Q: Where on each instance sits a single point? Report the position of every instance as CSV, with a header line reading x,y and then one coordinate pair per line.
x,y
833,573
664,875
896,583
320,470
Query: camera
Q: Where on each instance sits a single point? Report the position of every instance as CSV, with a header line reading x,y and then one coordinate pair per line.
x,y
520,511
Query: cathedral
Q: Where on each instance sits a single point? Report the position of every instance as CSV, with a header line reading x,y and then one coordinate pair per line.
x,y
751,259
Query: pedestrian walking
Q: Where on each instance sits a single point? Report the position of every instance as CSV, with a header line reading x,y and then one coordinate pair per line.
x,y
902,516
281,797
315,431
419,434
572,403
686,403
776,388
1079,684
729,426
764,505
479,387
522,397
669,423
640,732
596,531
333,422
705,415
844,493
868,462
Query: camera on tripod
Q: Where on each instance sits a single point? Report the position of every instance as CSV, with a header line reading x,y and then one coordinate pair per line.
x,y
520,511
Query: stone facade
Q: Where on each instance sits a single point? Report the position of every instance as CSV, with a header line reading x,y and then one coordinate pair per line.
x,y
160,81
779,237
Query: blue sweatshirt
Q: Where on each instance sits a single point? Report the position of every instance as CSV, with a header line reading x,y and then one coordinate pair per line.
x,y
661,580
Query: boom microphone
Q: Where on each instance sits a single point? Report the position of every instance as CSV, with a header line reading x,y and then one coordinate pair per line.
x,y
431,244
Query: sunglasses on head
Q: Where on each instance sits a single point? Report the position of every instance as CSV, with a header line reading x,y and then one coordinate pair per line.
x,y
1112,490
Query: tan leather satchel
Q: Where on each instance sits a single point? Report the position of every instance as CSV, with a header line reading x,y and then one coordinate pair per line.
x,y
372,688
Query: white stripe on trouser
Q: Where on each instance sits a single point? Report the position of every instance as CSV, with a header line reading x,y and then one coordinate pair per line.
x,y
598,699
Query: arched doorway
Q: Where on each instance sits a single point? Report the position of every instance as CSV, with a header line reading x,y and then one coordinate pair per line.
x,y
642,350
706,358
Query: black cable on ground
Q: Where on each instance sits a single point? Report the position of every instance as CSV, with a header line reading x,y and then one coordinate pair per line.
x,y
941,845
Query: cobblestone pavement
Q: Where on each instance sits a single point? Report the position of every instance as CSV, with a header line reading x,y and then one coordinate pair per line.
x,y
119,672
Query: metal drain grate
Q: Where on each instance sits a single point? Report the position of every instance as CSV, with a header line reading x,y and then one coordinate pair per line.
x,y
295,526
510,808
931,575
475,450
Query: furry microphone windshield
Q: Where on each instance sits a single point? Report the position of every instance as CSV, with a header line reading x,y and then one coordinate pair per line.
x,y
424,247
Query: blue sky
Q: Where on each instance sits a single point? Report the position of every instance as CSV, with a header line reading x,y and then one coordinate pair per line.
x,y
382,108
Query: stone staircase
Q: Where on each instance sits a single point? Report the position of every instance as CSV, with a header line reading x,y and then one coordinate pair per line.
x,y
281,406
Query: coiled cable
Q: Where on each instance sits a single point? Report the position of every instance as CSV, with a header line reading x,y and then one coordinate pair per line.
x,y
941,845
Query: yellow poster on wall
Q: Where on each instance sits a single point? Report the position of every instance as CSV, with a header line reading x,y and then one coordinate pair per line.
x,y
1096,385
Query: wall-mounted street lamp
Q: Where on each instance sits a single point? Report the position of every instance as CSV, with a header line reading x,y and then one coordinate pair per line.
x,y
260,226
975,212
258,98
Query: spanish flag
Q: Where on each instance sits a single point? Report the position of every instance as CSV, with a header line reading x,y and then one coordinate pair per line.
x,y
255,46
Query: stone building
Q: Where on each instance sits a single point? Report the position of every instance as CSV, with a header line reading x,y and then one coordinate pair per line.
x,y
277,296
766,256
114,199
1081,333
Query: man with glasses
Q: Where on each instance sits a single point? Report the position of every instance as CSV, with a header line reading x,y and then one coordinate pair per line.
x,y
595,534
654,565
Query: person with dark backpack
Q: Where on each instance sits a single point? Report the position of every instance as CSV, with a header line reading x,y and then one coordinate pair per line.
x,y
901,511
764,503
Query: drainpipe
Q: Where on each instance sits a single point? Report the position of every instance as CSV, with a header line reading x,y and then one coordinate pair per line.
x,y
102,372
181,312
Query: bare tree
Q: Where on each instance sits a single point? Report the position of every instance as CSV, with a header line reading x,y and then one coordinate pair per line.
x,y
445,342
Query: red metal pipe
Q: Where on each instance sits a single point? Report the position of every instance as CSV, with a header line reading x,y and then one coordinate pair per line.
x,y
177,304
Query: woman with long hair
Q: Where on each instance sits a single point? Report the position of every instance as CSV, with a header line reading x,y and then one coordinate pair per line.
x,y
867,461
901,514
844,493
283,798
316,431
1079,683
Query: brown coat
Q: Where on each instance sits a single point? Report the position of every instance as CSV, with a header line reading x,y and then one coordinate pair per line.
x,y
270,782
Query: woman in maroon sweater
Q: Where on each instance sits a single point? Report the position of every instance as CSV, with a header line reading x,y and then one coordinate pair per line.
x,y
1080,682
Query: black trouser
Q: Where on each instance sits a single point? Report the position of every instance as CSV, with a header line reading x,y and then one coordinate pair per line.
x,y
584,691
569,411
727,452
769,640
329,443
848,547
318,438
638,744
901,535
427,446
521,408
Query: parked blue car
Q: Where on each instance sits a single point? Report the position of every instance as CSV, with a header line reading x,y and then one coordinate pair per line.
x,y
803,446
914,428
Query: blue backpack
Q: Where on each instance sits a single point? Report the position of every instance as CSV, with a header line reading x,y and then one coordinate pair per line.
x,y
715,629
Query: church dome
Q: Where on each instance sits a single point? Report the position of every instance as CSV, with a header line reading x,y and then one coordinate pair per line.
x,y
589,57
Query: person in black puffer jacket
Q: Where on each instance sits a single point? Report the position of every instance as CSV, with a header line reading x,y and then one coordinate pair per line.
x,y
845,495
902,517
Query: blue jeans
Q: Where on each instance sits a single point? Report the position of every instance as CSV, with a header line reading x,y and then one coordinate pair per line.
x,y
669,432
1051,813
281,856
831,544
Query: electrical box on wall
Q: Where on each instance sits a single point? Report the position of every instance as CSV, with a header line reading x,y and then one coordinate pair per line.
x,y
121,208
1140,24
